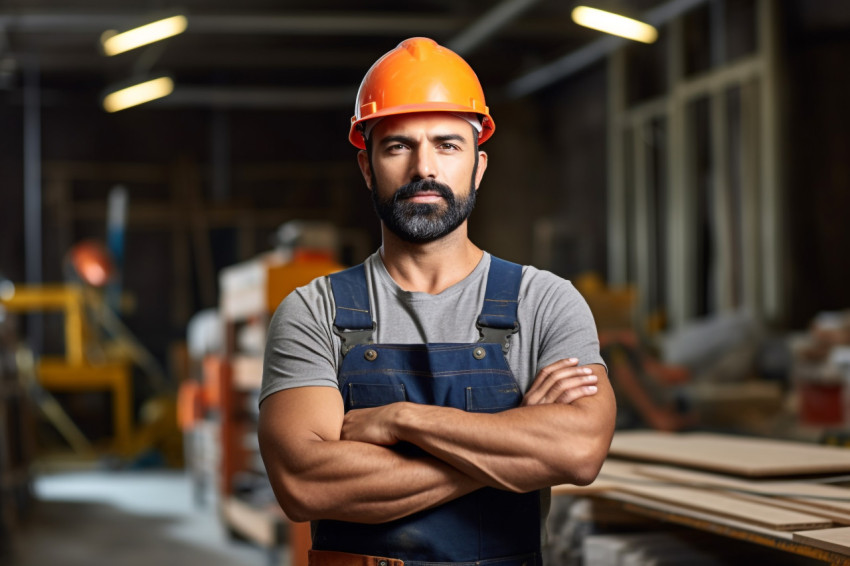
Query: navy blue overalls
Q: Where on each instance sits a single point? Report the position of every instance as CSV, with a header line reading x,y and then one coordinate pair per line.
x,y
493,526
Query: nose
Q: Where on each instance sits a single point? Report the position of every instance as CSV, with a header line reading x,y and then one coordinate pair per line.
x,y
424,164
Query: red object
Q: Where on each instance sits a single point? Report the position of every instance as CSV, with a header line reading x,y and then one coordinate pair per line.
x,y
821,403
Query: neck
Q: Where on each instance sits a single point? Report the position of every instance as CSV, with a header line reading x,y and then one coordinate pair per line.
x,y
431,267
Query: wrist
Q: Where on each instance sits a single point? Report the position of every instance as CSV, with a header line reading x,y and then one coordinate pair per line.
x,y
406,417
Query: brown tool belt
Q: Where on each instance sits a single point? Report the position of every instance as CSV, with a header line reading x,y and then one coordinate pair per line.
x,y
332,558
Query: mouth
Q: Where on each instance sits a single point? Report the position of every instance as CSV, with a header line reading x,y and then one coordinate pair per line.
x,y
425,196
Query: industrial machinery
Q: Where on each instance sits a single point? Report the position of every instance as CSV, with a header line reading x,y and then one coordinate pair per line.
x,y
100,353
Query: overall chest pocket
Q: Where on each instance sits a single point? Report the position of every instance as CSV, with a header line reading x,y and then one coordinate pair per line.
x,y
492,398
365,395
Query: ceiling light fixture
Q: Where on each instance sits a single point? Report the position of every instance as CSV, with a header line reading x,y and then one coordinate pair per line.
x,y
614,24
114,43
138,94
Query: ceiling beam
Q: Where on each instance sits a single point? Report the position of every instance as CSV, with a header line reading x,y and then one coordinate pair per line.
x,y
596,51
325,24
491,22
260,98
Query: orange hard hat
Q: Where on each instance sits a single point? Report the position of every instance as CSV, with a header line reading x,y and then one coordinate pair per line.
x,y
419,76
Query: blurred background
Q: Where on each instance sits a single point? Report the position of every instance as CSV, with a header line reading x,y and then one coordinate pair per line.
x,y
693,188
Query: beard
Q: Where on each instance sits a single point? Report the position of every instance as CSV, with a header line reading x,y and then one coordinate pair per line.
x,y
420,223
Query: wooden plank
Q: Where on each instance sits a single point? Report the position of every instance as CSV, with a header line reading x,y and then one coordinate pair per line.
x,y
752,457
827,501
247,372
836,517
835,540
692,517
726,527
262,526
716,503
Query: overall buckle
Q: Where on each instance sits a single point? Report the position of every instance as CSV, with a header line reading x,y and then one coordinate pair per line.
x,y
497,335
352,338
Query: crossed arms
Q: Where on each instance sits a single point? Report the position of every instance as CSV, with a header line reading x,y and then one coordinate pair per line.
x,y
326,464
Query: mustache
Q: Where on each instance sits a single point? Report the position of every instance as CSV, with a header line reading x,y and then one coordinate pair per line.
x,y
422,186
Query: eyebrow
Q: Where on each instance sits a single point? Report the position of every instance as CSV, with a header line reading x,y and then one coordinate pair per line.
x,y
450,137
410,141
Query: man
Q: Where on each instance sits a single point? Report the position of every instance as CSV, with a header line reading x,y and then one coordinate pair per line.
x,y
418,407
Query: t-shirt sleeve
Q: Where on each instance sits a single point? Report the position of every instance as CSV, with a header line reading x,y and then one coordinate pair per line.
x,y
300,346
567,328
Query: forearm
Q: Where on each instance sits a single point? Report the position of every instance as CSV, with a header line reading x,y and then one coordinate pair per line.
x,y
359,482
519,450
561,434
315,475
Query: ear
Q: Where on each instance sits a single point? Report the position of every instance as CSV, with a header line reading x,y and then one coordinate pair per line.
x,y
482,166
365,168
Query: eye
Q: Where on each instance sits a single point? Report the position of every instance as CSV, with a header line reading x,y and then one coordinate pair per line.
x,y
446,146
396,148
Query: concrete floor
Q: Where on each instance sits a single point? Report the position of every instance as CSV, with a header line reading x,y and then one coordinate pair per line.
x,y
124,518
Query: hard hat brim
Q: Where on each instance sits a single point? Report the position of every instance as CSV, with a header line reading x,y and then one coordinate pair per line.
x,y
355,135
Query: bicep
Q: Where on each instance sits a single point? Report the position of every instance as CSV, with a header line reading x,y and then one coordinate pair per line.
x,y
293,418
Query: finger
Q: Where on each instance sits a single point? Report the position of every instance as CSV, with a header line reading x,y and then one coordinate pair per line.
x,y
556,366
544,374
544,382
555,389
576,393
565,388
557,384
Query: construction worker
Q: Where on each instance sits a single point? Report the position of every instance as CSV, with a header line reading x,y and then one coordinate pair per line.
x,y
417,407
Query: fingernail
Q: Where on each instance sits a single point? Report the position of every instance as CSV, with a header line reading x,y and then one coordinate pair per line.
x,y
587,370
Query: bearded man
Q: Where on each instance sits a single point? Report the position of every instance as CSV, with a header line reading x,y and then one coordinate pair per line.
x,y
418,407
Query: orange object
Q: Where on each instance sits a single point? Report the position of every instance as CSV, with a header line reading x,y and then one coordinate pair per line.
x,y
419,76
213,370
300,542
92,262
305,266
189,405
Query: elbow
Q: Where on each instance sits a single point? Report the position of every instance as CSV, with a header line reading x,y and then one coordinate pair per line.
x,y
297,500
296,511
584,464
296,515
586,472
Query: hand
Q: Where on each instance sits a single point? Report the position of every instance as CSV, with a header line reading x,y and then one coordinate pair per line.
x,y
373,425
561,382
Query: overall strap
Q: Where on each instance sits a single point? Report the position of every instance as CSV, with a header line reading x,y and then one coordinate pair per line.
x,y
353,318
498,318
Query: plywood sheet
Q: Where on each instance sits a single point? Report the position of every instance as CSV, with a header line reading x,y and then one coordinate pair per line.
x,y
744,456
835,540
692,517
626,478
827,501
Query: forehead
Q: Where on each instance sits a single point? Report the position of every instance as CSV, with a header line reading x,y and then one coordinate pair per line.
x,y
418,123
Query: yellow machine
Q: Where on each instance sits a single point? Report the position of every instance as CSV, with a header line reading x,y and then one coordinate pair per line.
x,y
93,362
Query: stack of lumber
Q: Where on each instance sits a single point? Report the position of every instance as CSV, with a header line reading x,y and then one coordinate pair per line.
x,y
779,493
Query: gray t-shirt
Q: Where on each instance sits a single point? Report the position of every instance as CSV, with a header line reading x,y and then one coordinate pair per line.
x,y
554,323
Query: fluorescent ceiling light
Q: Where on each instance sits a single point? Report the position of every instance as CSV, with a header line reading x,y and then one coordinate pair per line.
x,y
138,94
114,43
614,24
